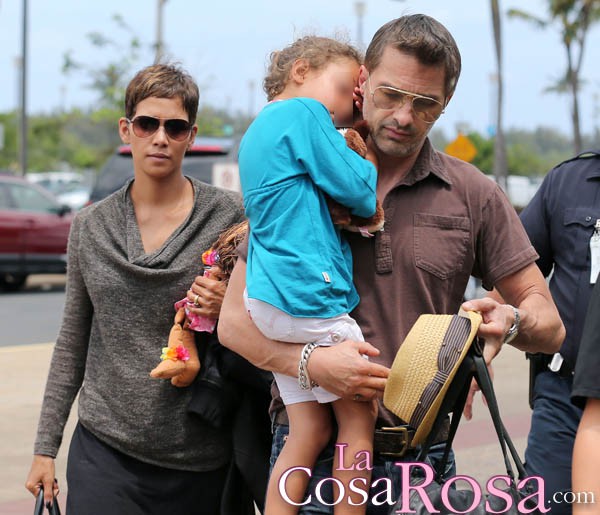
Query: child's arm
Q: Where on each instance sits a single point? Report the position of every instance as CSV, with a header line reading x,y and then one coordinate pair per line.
x,y
335,168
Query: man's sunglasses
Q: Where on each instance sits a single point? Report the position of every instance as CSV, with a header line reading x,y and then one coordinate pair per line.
x,y
146,126
426,108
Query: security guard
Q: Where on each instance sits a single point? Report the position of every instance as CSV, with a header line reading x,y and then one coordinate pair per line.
x,y
563,223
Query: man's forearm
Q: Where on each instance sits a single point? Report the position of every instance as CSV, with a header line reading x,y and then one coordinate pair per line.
x,y
238,333
540,328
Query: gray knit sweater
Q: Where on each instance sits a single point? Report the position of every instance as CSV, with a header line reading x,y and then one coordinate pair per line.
x,y
118,313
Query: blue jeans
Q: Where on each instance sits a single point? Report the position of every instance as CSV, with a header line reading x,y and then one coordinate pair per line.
x,y
551,438
382,468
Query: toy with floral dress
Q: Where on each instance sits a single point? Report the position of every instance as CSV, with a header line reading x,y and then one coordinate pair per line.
x,y
179,359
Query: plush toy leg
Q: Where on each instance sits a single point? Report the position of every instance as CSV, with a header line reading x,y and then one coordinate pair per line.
x,y
171,367
192,365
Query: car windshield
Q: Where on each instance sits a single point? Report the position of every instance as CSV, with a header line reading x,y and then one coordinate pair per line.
x,y
119,168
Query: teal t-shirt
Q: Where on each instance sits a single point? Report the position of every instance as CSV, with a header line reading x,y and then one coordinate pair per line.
x,y
289,158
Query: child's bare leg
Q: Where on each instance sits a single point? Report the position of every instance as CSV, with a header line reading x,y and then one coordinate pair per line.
x,y
354,452
310,431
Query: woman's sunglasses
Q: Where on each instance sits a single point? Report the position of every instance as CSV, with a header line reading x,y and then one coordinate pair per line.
x,y
146,126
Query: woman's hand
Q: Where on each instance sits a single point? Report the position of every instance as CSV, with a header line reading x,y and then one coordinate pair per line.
x,y
342,370
206,294
42,473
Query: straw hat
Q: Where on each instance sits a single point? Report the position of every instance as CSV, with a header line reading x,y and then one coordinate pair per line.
x,y
425,366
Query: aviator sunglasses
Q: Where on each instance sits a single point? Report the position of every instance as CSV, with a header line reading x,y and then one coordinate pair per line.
x,y
146,126
425,108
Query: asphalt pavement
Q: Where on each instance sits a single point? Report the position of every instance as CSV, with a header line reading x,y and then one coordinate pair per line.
x,y
24,368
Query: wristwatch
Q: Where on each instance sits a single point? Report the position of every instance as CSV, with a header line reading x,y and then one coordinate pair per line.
x,y
513,330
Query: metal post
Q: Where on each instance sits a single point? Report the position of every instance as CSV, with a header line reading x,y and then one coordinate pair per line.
x,y
23,96
251,86
359,9
159,30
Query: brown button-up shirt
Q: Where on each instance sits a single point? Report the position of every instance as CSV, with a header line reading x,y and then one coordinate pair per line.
x,y
444,221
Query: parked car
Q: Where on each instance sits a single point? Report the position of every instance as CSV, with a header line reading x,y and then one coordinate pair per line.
x,y
69,188
211,160
34,229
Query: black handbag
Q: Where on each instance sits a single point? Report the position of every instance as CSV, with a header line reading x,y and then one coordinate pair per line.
x,y
512,499
39,505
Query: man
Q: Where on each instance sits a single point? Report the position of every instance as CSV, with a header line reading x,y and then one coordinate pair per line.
x,y
561,221
444,222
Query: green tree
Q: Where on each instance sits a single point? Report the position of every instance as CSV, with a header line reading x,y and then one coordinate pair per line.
x,y
109,80
574,18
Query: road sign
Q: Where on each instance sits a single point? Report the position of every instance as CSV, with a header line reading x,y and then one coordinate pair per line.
x,y
462,147
226,175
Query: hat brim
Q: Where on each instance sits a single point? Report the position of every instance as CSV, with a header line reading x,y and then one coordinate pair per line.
x,y
425,366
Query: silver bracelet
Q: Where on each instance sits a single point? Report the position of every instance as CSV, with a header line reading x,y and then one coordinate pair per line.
x,y
303,378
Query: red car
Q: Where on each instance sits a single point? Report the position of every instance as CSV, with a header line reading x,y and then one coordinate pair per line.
x,y
34,229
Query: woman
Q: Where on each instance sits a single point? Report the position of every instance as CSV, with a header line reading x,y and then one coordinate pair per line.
x,y
131,256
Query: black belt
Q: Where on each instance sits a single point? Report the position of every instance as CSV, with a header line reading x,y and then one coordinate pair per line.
x,y
395,442
391,442
566,370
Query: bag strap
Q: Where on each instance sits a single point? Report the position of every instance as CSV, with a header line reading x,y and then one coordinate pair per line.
x,y
454,402
485,384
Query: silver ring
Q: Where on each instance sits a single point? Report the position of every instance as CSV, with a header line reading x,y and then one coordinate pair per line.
x,y
357,397
196,303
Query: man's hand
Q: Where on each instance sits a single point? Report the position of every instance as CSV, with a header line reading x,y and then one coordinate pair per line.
x,y
206,293
473,389
343,370
496,321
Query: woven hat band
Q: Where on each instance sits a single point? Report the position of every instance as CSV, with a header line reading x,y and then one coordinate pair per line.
x,y
449,354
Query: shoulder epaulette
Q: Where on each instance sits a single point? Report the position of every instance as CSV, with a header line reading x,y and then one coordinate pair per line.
x,y
587,154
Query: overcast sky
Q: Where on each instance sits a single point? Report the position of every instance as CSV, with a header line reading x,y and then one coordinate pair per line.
x,y
225,44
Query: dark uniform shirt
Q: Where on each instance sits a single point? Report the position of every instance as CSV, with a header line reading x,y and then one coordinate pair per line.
x,y
587,380
560,221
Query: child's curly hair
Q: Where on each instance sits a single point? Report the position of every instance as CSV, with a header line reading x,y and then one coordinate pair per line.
x,y
318,51
226,247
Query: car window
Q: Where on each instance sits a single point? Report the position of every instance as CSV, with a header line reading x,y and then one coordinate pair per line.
x,y
4,197
119,169
30,199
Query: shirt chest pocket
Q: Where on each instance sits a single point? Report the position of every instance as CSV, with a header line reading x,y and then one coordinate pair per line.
x,y
441,243
579,225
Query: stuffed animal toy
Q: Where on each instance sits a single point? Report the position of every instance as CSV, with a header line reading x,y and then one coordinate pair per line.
x,y
356,138
179,359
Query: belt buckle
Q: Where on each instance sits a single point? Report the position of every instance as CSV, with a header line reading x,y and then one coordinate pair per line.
x,y
400,430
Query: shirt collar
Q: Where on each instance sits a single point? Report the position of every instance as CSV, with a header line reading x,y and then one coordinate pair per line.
x,y
428,162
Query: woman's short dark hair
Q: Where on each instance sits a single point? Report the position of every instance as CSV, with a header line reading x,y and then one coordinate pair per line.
x,y
163,81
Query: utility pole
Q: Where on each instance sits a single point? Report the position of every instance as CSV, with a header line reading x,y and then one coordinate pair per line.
x,y
359,9
159,30
23,96
251,86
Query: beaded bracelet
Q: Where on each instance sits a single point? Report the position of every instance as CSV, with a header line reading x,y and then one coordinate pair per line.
x,y
303,378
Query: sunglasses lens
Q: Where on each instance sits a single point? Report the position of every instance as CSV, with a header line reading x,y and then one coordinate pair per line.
x,y
387,98
177,129
427,109
144,126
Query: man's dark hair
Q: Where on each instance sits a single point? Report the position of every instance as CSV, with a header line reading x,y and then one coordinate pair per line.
x,y
423,37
